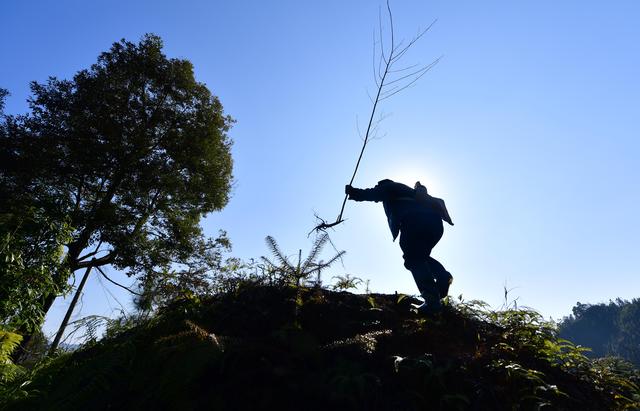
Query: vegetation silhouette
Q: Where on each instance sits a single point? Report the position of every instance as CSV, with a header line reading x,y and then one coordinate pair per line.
x,y
296,274
259,346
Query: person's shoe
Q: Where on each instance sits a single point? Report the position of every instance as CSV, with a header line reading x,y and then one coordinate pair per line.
x,y
431,306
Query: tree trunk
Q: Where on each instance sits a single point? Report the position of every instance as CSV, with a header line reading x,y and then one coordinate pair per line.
x,y
74,250
65,321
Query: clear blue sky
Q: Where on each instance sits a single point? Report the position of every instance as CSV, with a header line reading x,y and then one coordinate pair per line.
x,y
528,128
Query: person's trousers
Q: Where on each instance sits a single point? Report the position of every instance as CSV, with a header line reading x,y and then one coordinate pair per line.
x,y
419,233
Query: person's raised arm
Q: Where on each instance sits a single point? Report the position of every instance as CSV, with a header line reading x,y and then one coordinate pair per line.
x,y
367,194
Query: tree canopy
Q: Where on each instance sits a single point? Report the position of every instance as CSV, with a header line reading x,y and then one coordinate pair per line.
x,y
130,153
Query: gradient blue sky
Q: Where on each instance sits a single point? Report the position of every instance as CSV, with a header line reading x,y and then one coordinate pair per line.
x,y
528,128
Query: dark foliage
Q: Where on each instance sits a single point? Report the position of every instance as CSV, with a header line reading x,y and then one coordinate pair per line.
x,y
3,94
30,250
244,350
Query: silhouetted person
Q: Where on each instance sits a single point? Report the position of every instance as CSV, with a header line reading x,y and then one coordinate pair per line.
x,y
418,217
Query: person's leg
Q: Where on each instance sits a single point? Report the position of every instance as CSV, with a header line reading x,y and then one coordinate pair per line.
x,y
430,232
423,277
442,276
415,260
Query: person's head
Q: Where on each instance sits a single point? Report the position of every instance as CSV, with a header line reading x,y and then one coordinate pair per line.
x,y
420,188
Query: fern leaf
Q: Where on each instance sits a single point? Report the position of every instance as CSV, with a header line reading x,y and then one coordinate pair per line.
x,y
322,265
275,250
318,244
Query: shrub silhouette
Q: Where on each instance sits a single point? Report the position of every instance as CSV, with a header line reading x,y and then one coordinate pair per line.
x,y
238,351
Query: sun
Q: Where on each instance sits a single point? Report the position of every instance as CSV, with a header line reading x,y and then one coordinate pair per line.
x,y
410,174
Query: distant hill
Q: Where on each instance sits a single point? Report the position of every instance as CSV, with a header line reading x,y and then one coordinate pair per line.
x,y
611,329
261,347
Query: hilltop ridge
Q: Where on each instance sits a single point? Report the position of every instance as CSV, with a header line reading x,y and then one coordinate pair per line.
x,y
261,347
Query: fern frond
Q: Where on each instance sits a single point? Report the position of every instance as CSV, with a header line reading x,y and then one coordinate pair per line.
x,y
322,265
275,250
8,342
318,244
268,262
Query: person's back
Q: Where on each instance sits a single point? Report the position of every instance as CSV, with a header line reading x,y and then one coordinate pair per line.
x,y
400,200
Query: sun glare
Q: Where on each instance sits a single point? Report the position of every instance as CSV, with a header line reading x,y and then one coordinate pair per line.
x,y
409,175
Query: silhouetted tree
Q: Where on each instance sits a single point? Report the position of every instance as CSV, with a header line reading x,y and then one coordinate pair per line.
x,y
627,343
131,153
31,248
3,95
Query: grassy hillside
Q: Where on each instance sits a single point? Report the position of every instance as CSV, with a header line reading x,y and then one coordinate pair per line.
x,y
264,347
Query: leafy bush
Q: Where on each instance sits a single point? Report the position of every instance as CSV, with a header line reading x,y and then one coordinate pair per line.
x,y
9,371
346,282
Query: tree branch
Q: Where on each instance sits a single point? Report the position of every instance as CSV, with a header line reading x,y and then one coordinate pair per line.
x,y
107,259
91,254
118,284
